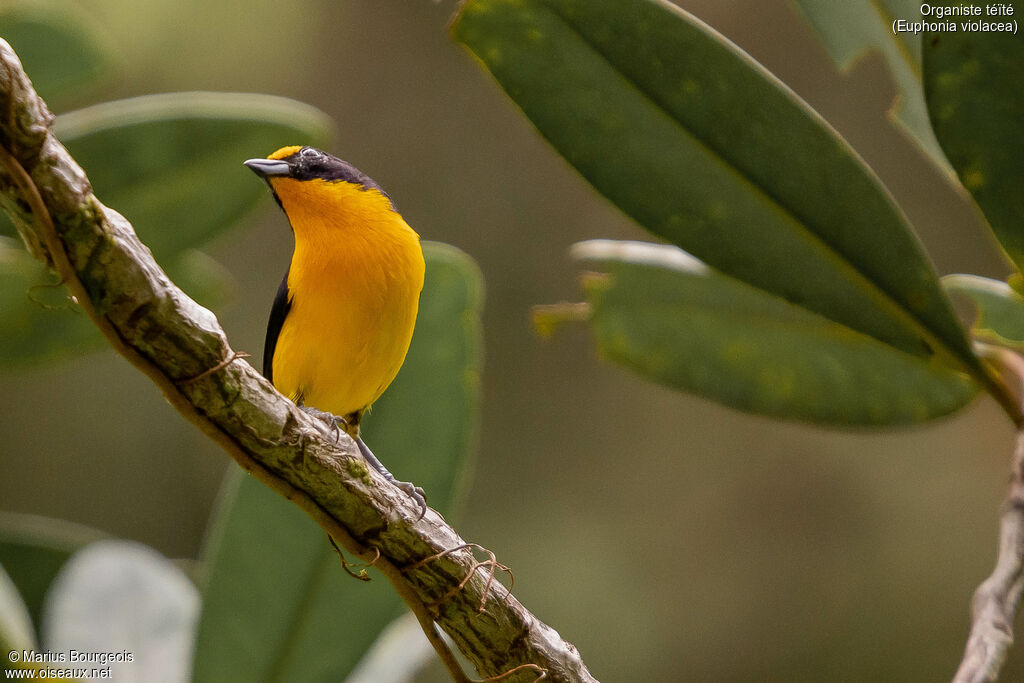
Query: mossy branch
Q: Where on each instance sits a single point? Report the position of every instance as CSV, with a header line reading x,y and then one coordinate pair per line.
x,y
181,347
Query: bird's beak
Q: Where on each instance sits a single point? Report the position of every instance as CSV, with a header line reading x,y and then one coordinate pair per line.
x,y
268,168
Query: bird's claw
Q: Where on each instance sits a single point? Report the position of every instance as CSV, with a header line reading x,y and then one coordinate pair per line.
x,y
330,419
414,492
408,488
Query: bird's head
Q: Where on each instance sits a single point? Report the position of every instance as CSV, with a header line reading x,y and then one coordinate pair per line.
x,y
298,163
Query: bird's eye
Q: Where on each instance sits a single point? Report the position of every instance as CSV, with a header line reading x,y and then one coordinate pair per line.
x,y
309,153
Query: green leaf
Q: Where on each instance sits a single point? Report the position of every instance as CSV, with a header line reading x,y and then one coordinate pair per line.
x,y
120,596
852,29
171,164
974,83
667,316
868,26
38,320
33,549
1000,310
276,603
203,278
61,49
700,145
41,324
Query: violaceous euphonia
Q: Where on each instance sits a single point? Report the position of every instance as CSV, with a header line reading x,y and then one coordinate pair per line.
x,y
343,317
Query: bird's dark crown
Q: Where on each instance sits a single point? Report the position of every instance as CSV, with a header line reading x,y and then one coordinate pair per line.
x,y
309,163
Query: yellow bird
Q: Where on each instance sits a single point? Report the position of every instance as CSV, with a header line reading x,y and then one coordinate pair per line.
x,y
343,317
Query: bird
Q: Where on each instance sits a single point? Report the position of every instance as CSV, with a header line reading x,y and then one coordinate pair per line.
x,y
343,318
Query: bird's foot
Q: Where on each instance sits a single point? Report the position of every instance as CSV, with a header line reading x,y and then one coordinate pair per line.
x,y
330,419
414,492
408,488
339,424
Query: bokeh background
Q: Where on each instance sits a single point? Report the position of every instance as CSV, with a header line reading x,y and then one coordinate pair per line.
x,y
667,537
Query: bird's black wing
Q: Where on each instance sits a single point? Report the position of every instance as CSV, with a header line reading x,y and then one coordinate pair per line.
x,y
278,312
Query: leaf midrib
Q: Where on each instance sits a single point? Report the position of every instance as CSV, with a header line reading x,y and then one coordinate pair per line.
x,y
829,250
300,614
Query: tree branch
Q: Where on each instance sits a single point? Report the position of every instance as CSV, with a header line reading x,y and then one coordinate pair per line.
x,y
181,347
994,606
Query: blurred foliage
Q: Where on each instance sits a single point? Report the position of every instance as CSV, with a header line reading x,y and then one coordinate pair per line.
x,y
61,48
275,597
116,596
39,321
15,623
853,29
671,318
1000,309
32,551
398,654
974,83
169,163
704,148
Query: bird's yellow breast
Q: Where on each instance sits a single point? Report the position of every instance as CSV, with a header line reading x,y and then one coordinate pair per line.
x,y
354,286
